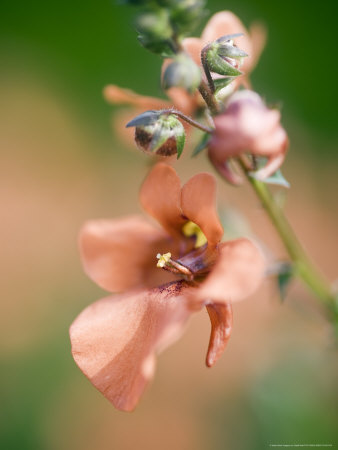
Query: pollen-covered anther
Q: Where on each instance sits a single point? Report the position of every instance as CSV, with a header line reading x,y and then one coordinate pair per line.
x,y
165,262
163,259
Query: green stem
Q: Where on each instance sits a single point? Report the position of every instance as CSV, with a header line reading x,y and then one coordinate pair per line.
x,y
303,266
209,98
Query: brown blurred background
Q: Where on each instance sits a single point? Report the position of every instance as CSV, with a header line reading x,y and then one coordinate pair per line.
x,y
61,164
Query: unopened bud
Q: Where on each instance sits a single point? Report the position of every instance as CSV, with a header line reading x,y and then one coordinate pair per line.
x,y
186,14
182,72
155,32
248,126
224,58
155,25
159,133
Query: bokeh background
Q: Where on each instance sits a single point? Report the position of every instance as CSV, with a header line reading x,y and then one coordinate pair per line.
x,y
61,164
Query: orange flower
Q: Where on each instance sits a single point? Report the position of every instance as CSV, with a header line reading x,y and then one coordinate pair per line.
x,y
248,126
114,341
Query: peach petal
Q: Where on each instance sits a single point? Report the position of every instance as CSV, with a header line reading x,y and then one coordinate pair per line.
x,y
258,35
120,119
116,95
221,327
198,202
160,196
238,272
193,46
223,167
120,254
115,340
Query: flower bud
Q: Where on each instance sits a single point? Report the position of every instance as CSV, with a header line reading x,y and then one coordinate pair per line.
x,y
248,126
159,133
182,72
186,14
224,58
155,31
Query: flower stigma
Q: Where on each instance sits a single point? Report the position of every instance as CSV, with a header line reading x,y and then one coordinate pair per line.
x,y
190,229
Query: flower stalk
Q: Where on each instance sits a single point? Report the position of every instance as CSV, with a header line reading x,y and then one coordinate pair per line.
x,y
304,268
188,119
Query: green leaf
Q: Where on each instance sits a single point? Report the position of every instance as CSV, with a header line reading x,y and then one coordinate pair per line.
x,y
219,65
277,179
202,144
284,277
163,48
180,141
221,83
231,52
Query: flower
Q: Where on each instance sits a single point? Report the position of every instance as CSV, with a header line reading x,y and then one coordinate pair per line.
x,y
248,126
162,276
226,23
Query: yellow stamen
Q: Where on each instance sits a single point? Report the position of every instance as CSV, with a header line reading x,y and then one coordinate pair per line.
x,y
163,259
190,229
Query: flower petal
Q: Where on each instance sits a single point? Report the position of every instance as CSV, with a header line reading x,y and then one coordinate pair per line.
x,y
221,327
114,340
116,95
160,196
120,254
237,273
258,35
193,46
198,202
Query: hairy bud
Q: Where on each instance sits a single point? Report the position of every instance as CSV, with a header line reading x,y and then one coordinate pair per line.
x,y
182,72
224,58
159,133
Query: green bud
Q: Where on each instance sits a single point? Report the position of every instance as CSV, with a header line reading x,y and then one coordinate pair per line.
x,y
156,32
186,14
155,25
159,133
220,64
182,72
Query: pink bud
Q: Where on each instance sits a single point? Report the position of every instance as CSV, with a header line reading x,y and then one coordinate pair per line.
x,y
248,126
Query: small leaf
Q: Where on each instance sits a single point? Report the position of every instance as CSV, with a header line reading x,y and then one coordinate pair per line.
x,y
277,179
221,83
163,48
202,144
284,277
219,65
231,52
180,141
146,118
160,135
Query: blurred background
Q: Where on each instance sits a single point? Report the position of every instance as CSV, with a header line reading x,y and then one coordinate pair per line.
x,y
61,164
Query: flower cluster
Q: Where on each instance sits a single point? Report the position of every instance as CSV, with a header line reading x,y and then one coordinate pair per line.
x,y
159,276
